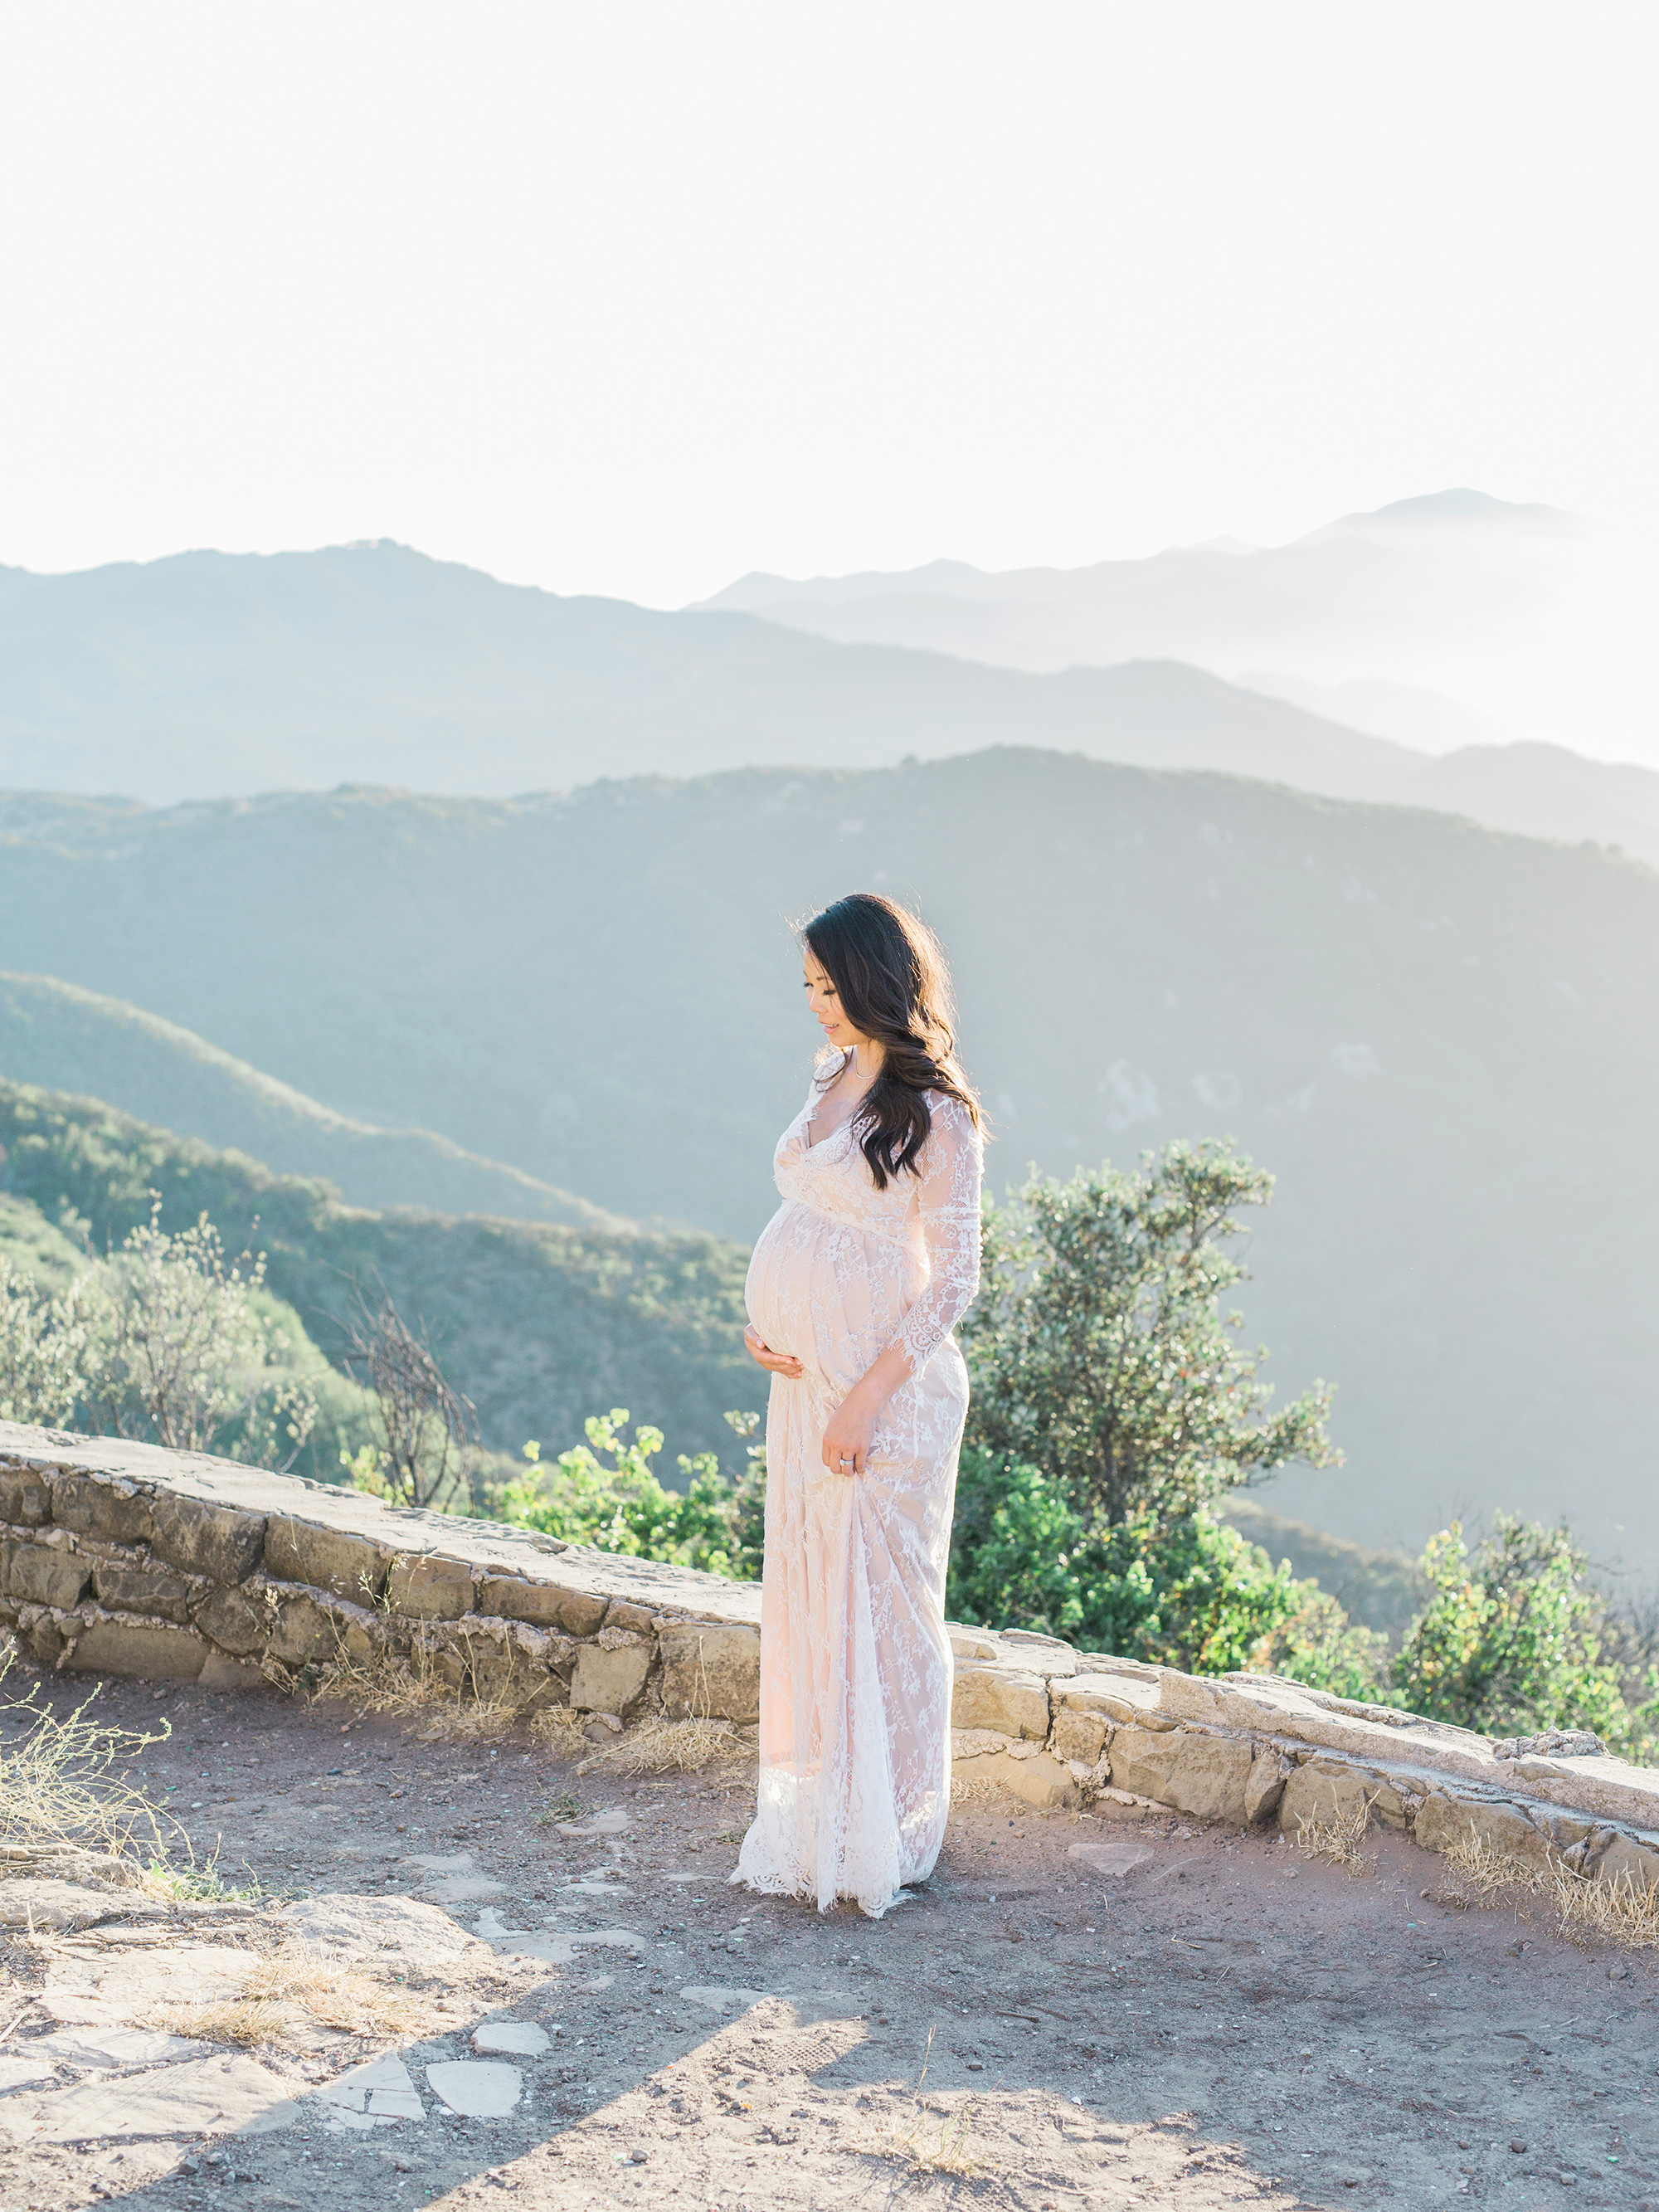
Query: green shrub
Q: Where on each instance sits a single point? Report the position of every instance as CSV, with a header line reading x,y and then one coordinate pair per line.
x,y
1189,1593
166,1339
716,1522
1512,1643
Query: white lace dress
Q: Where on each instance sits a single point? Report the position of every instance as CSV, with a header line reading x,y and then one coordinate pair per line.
x,y
855,1665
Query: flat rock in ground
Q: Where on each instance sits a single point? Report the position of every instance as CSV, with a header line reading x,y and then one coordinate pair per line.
x,y
113,2047
114,1992
477,2089
15,2071
715,1997
401,1928
461,1889
1117,1854
383,2089
591,1886
521,2037
207,2096
610,1823
32,1902
552,1946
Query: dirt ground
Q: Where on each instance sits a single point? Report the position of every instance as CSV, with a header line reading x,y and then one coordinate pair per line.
x,y
1181,2018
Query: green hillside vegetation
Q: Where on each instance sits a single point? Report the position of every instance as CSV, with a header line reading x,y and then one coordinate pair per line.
x,y
58,1037
534,1323
31,1245
1443,1041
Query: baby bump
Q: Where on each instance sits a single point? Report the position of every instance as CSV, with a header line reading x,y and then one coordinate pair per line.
x,y
771,1290
825,1291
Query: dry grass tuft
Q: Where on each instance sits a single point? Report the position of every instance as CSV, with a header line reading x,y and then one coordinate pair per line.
x,y
559,1728
292,1989
62,1791
419,1684
1338,1839
662,1747
1617,1911
964,1792
1588,1909
1485,1874
931,2138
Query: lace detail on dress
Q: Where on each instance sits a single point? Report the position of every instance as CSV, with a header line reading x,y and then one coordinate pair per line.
x,y
855,1663
948,1209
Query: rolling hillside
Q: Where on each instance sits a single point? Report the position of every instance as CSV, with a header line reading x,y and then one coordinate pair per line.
x,y
58,1037
1445,1041
539,1325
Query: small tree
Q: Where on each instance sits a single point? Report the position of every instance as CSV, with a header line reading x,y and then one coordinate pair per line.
x,y
179,1350
1511,1641
425,1425
1099,1351
43,1348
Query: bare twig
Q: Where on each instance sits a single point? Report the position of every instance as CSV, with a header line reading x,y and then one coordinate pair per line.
x,y
426,1423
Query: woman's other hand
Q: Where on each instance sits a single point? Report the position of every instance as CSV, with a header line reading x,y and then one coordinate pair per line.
x,y
774,1363
847,1435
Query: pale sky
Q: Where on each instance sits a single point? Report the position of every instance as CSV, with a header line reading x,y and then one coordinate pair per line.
x,y
632,298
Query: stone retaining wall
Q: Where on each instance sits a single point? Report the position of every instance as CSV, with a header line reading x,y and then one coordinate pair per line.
x,y
1064,1727
121,1559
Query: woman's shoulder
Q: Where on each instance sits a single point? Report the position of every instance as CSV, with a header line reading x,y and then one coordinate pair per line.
x,y
948,1114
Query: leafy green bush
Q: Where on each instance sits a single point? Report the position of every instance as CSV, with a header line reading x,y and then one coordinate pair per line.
x,y
1188,1592
42,1347
716,1522
1512,1643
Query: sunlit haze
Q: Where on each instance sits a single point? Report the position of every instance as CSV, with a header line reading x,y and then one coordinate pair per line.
x,y
634,301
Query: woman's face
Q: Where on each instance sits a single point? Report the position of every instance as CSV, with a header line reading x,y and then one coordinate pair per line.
x,y
826,1006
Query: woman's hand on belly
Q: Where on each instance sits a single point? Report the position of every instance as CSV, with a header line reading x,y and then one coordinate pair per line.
x,y
775,1363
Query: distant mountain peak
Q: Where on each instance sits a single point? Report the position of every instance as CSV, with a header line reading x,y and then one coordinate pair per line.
x,y
1459,505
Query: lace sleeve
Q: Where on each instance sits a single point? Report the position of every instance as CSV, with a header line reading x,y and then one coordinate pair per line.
x,y
951,1165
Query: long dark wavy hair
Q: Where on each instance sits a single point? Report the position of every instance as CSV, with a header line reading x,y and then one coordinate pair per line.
x,y
894,987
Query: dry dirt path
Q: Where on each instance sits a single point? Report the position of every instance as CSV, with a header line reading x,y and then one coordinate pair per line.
x,y
1074,2013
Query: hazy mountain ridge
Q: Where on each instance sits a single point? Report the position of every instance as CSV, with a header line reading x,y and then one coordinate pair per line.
x,y
56,1036
1445,1041
1441,574
1458,605
211,674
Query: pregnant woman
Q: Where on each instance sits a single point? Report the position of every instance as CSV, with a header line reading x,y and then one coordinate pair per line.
x,y
852,1292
